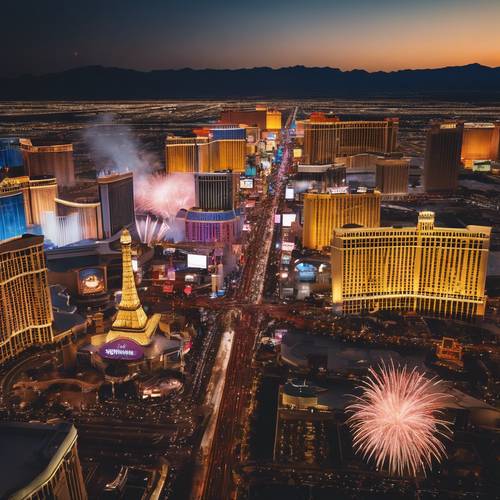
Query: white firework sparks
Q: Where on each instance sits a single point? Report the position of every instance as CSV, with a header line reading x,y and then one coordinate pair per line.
x,y
396,420
164,195
150,229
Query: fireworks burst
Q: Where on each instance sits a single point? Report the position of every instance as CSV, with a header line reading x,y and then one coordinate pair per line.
x,y
151,229
396,420
164,195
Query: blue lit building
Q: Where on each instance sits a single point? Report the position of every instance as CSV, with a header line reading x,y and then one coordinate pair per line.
x,y
212,226
12,216
10,154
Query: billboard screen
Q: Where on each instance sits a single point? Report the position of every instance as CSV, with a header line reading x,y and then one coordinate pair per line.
x,y
197,261
122,349
289,193
288,219
287,246
91,280
246,183
481,166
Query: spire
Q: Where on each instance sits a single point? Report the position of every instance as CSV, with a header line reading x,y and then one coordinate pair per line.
x,y
131,315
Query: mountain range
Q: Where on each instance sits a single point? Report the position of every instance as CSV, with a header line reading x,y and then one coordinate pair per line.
x,y
470,82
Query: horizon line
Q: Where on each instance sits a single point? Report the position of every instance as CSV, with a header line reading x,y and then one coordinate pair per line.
x,y
248,68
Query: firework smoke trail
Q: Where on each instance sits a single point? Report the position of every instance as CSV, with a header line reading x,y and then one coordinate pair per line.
x,y
396,420
151,230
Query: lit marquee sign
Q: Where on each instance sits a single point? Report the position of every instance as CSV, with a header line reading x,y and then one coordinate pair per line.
x,y
91,280
122,349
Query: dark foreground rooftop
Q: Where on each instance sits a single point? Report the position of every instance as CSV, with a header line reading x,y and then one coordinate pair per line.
x,y
27,450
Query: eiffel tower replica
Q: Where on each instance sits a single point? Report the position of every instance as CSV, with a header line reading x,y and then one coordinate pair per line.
x,y
131,321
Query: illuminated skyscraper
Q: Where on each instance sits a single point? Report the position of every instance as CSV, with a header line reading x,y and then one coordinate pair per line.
x,y
182,154
39,195
12,215
11,158
256,117
481,141
426,269
324,212
326,138
442,157
216,190
227,149
273,119
54,161
116,193
25,312
392,175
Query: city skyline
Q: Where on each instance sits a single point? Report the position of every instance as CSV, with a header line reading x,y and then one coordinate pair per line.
x,y
386,36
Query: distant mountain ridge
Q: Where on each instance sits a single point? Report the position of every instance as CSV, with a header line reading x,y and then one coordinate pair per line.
x,y
472,81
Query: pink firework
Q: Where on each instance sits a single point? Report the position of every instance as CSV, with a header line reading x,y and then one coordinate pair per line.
x,y
164,195
396,420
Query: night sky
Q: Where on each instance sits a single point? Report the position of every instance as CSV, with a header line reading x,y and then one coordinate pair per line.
x,y
40,37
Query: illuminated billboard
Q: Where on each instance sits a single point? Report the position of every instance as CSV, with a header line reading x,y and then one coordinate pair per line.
x,y
197,261
246,183
287,246
289,193
481,166
122,349
287,219
91,280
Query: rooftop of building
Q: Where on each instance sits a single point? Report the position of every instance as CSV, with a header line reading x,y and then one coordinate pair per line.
x,y
107,177
197,214
20,242
44,146
29,452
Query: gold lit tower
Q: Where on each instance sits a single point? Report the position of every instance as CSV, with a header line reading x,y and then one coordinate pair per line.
x,y
323,212
426,269
392,175
326,138
481,141
25,307
181,154
131,321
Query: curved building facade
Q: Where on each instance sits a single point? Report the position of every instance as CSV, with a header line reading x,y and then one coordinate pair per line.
x,y
218,226
26,312
40,461
88,214
324,212
426,269
55,161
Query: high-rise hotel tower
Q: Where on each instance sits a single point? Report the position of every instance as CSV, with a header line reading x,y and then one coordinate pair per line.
x,y
426,269
442,157
223,147
324,212
25,307
326,138
186,154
